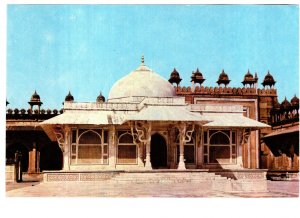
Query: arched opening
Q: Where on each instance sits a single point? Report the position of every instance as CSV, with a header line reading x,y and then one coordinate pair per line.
x,y
127,150
10,155
51,157
90,149
158,152
221,150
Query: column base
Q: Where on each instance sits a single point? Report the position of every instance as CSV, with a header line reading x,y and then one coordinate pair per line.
x,y
181,166
140,162
148,165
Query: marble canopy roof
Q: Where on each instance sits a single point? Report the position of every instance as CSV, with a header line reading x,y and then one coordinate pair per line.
x,y
151,109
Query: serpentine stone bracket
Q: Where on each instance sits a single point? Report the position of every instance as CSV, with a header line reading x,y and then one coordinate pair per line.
x,y
143,131
60,137
245,136
188,134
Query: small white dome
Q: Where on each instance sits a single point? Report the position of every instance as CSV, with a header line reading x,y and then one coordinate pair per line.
x,y
142,82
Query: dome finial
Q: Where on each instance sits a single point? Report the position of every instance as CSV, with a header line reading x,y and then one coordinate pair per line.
x,y
143,60
100,98
69,97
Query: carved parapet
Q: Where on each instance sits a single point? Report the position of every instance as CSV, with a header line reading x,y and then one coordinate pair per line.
x,y
28,115
267,92
105,105
22,112
205,89
216,91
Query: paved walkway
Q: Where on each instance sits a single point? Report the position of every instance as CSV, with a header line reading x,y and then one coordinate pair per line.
x,y
104,189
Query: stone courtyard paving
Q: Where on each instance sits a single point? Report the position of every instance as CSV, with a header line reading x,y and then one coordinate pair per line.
x,y
285,189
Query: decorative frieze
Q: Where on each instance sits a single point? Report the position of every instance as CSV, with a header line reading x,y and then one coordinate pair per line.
x,y
216,108
164,101
100,106
60,177
250,175
78,176
95,176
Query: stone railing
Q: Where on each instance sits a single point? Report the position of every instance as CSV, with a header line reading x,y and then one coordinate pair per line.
x,y
282,162
135,99
281,116
100,106
164,100
125,106
216,108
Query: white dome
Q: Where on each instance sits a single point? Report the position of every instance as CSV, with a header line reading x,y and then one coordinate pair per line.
x,y
142,82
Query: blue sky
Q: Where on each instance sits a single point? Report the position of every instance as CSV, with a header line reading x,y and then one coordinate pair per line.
x,y
87,48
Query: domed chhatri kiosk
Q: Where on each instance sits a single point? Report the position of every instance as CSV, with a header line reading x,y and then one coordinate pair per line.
x,y
145,126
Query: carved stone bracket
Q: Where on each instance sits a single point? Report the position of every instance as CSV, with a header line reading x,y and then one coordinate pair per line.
x,y
58,131
200,135
186,132
245,136
143,134
143,131
134,136
189,133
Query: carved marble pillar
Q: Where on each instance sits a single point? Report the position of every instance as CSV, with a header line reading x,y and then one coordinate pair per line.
x,y
239,150
182,131
140,154
172,151
141,133
66,150
199,147
148,165
112,147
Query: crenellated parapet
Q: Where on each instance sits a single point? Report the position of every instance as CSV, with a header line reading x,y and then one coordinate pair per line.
x,y
267,92
201,90
30,114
